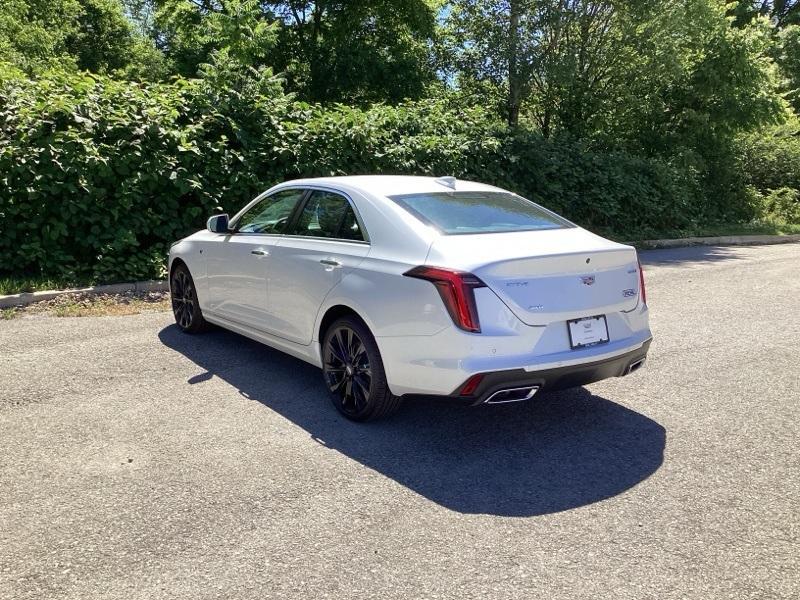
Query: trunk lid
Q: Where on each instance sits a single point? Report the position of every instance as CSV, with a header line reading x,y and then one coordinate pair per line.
x,y
547,276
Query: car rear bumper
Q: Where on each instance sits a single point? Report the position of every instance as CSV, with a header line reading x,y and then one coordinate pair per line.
x,y
522,384
439,365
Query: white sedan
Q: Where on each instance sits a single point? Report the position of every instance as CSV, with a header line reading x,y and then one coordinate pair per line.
x,y
398,286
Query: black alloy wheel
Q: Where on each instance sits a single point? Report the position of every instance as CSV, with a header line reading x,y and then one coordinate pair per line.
x,y
185,306
354,372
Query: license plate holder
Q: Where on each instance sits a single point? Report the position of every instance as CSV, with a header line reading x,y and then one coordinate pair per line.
x,y
587,331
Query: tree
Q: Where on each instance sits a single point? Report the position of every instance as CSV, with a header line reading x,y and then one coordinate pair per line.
x,y
342,50
631,70
784,18
787,56
103,36
34,33
781,12
536,49
92,35
357,50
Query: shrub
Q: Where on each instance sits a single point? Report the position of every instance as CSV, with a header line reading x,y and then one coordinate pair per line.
x,y
783,203
99,176
770,159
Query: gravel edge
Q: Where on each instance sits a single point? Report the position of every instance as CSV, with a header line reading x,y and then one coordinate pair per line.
x,y
13,300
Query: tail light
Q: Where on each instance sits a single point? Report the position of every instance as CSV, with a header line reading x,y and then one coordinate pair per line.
x,y
457,290
642,289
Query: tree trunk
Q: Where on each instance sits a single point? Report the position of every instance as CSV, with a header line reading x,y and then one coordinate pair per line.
x,y
512,105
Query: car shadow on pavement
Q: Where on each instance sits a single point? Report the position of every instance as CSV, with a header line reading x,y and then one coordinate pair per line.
x,y
558,451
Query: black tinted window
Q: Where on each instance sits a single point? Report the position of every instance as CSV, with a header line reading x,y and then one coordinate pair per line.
x,y
271,214
327,215
479,212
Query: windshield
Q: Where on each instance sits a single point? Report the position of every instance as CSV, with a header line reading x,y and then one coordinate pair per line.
x,y
479,212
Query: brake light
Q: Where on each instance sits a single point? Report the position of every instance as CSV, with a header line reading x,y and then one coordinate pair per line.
x,y
457,290
642,289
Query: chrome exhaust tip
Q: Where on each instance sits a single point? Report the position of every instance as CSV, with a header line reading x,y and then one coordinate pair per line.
x,y
512,395
634,366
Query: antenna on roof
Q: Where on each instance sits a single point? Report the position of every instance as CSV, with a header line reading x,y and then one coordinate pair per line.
x,y
448,181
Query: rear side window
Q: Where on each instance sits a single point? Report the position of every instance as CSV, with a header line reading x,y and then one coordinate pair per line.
x,y
479,212
327,215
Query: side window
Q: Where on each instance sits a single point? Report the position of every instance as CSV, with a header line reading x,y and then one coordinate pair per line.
x,y
271,214
327,215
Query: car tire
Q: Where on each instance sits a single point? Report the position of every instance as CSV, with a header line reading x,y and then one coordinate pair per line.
x,y
354,373
185,306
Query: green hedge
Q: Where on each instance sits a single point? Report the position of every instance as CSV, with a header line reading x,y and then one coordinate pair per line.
x,y
98,176
770,161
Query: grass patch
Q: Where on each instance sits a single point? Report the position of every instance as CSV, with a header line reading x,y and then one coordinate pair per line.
x,y
755,228
18,285
8,313
761,227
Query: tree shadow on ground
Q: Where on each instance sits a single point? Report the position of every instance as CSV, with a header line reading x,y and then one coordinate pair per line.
x,y
690,255
559,451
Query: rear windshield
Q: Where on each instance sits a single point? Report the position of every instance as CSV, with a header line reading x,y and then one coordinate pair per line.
x,y
479,212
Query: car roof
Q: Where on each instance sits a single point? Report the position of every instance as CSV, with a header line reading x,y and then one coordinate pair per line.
x,y
385,185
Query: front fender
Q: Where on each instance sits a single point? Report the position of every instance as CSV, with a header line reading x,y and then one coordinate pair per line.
x,y
190,251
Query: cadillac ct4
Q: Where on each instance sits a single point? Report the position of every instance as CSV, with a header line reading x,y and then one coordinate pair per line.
x,y
400,286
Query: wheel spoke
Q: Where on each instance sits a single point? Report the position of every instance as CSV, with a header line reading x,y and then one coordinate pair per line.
x,y
177,291
360,354
345,335
359,399
364,389
348,389
335,383
337,348
353,346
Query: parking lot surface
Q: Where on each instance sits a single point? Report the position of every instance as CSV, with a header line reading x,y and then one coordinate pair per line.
x,y
139,463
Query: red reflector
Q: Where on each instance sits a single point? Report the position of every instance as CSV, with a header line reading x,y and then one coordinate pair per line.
x,y
457,291
471,385
642,289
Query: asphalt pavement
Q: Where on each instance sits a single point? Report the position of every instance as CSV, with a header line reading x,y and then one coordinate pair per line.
x,y
139,463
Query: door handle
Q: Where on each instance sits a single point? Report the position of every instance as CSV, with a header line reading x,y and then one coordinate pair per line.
x,y
260,252
330,263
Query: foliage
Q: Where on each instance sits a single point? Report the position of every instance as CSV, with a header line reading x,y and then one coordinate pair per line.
x,y
356,51
99,176
770,158
92,35
784,203
782,12
787,55
652,73
35,32
124,123
770,163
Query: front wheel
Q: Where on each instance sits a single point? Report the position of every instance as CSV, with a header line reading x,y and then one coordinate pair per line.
x,y
185,306
354,372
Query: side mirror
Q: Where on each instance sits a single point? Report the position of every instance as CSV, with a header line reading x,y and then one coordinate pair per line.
x,y
218,224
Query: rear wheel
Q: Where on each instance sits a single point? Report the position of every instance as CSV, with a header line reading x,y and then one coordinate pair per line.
x,y
354,372
185,306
